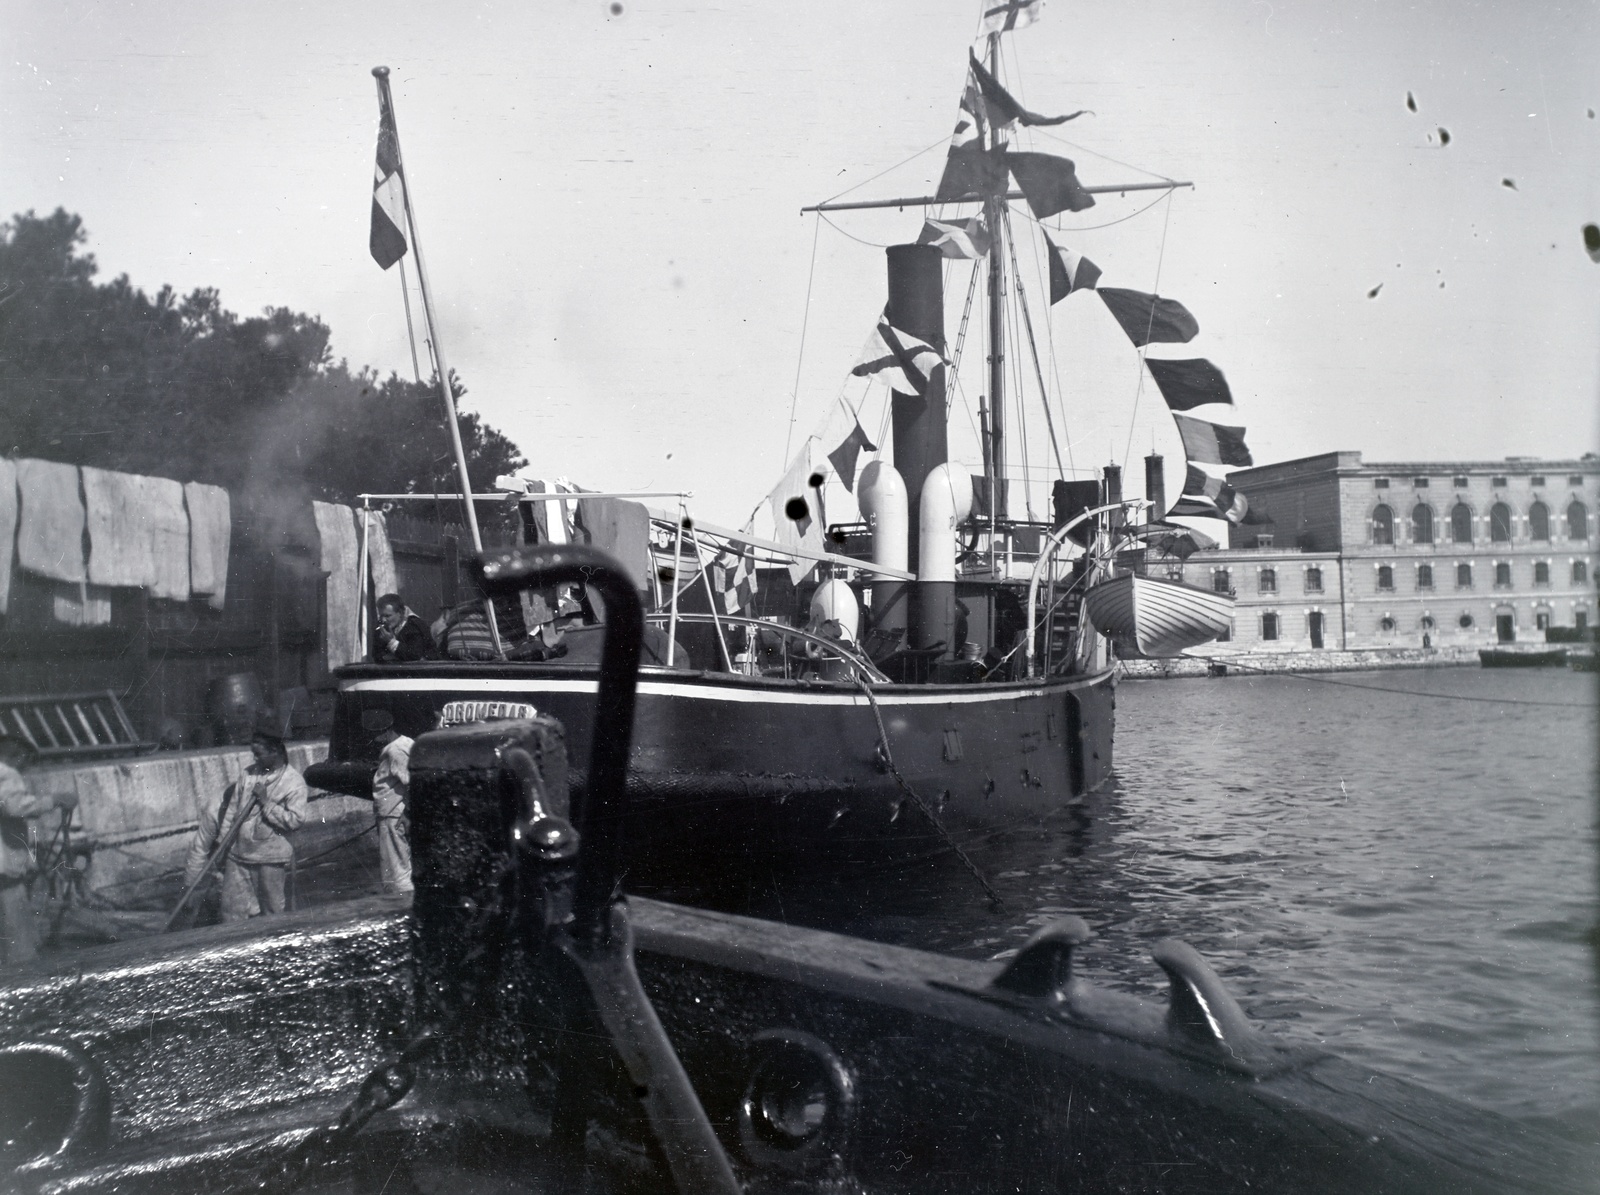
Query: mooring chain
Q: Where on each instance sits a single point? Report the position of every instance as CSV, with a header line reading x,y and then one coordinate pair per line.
x,y
916,798
388,1083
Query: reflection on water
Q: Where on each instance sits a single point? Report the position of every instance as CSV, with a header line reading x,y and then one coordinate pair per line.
x,y
1409,879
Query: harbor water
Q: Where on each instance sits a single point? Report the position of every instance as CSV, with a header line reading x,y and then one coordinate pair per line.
x,y
1399,866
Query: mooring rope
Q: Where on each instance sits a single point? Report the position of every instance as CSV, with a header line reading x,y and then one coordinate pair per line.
x,y
922,806
1350,684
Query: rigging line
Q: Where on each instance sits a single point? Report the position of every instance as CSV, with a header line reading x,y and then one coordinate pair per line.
x,y
1041,271
1350,684
888,169
966,316
1015,348
805,322
1144,348
1027,319
1028,215
851,235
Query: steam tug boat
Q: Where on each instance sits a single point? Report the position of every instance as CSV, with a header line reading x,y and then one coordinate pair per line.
x,y
944,669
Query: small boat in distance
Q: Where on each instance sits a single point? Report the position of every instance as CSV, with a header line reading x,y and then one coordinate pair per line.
x,y
1522,657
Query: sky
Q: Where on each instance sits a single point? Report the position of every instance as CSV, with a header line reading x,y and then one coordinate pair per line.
x,y
608,198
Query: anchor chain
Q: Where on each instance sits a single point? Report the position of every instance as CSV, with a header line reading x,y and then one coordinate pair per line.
x,y
390,1081
922,806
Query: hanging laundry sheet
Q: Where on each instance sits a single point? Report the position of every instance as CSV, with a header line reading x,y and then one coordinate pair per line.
x,y
167,524
210,536
50,520
79,604
119,535
8,528
380,555
340,558
619,527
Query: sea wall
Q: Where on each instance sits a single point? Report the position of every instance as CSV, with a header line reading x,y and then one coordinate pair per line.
x,y
136,816
1302,661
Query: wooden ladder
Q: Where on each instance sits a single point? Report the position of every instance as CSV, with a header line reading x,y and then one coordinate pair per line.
x,y
70,724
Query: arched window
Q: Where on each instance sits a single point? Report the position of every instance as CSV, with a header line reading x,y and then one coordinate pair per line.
x,y
1539,521
1427,622
1463,576
1461,523
1268,581
1577,520
1386,624
1382,525
1269,626
1422,524
1580,572
1502,575
1500,523
1424,576
1385,577
1313,580
1541,572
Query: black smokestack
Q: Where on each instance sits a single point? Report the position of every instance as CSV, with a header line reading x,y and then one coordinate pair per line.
x,y
1155,485
916,307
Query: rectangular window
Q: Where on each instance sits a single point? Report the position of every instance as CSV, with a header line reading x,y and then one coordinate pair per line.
x,y
1219,581
1385,576
1575,479
1580,619
1580,572
1541,620
1463,576
1498,482
1313,580
1541,572
1268,581
1502,575
1536,480
1380,483
1419,483
1460,483
1424,576
1269,627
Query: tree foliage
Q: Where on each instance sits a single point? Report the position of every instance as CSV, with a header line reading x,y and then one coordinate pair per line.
x,y
105,375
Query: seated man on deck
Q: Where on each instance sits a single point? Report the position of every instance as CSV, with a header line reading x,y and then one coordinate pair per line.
x,y
400,636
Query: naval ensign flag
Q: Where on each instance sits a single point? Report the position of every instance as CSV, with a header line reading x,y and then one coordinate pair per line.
x,y
388,239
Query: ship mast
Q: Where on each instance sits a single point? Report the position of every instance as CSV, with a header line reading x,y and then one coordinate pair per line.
x,y
995,458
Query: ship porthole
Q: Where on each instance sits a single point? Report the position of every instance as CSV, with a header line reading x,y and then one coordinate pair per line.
x,y
798,1102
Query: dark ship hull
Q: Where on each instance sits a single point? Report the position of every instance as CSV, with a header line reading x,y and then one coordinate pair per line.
x,y
769,769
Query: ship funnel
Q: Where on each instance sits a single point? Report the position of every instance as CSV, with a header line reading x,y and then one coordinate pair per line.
x,y
946,500
916,307
1155,485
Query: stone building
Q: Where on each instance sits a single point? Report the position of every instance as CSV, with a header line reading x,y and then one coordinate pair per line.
x,y
1410,554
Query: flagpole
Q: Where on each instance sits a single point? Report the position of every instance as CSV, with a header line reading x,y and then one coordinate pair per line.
x,y
386,100
411,334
